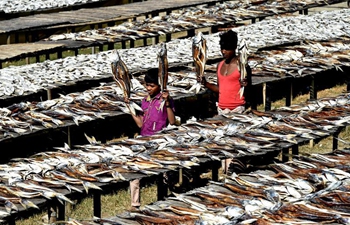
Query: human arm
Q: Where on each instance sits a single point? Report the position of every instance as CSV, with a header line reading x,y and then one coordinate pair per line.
x,y
138,120
210,86
169,108
248,92
246,82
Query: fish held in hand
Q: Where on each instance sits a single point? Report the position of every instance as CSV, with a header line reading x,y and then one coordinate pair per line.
x,y
123,79
242,63
200,56
163,70
163,67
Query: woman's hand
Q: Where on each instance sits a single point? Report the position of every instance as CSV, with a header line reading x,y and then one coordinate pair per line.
x,y
243,82
165,95
202,81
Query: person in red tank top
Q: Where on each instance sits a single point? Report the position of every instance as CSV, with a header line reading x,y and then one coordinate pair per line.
x,y
228,78
229,82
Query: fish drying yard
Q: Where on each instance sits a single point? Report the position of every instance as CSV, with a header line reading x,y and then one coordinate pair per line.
x,y
66,132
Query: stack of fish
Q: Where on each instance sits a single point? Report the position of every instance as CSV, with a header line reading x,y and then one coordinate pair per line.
x,y
228,12
27,79
18,6
238,135
26,117
306,190
23,118
309,190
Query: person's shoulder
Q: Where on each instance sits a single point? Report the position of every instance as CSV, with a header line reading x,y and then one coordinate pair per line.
x,y
146,99
219,63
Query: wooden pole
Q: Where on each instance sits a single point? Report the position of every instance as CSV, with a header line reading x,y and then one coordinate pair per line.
x,y
49,94
69,141
295,150
267,97
180,176
289,93
8,40
97,203
285,154
313,92
162,188
335,140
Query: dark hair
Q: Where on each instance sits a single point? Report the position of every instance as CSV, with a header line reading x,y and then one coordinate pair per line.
x,y
228,40
152,76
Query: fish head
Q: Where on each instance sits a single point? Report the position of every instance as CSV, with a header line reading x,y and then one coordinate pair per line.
x,y
196,41
114,67
162,52
115,61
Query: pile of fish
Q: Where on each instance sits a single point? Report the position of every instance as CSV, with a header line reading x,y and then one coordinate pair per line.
x,y
108,99
16,81
18,6
84,167
321,26
27,117
306,190
228,12
75,108
300,60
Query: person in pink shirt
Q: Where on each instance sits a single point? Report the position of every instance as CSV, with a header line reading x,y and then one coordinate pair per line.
x,y
152,119
229,82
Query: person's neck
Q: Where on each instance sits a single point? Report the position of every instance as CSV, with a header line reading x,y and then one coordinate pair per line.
x,y
231,59
153,96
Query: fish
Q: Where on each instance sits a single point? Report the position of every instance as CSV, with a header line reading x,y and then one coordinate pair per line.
x,y
9,205
123,79
163,66
163,69
46,192
242,63
200,56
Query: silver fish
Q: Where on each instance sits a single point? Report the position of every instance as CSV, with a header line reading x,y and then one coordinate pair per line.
x,y
200,56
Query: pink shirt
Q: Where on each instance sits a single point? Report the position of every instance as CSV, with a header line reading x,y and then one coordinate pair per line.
x,y
154,119
229,87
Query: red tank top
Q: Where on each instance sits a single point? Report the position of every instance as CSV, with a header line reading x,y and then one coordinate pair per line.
x,y
229,86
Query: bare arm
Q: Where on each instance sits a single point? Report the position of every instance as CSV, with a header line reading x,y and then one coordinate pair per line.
x,y
138,120
169,109
171,115
210,86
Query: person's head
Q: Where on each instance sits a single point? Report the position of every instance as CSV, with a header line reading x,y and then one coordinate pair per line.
x,y
228,44
152,83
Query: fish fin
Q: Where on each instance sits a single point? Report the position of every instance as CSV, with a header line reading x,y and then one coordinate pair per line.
x,y
135,106
64,198
195,88
70,187
76,120
9,206
65,148
338,68
26,204
241,92
92,139
162,105
131,109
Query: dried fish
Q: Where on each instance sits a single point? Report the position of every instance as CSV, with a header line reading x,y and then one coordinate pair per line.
x,y
200,56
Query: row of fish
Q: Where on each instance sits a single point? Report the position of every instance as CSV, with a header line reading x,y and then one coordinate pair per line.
x,y
24,118
306,190
301,60
19,6
228,12
31,78
85,166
